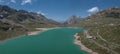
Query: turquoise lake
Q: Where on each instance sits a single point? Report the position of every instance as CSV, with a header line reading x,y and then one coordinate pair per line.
x,y
53,41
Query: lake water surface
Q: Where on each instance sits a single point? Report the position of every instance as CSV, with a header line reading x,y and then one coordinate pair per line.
x,y
53,41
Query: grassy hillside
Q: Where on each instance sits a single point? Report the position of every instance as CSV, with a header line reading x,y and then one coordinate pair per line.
x,y
103,31
107,36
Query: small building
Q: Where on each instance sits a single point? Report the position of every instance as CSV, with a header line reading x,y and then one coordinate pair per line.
x,y
89,37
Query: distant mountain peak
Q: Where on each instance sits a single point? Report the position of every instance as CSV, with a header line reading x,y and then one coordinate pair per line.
x,y
72,20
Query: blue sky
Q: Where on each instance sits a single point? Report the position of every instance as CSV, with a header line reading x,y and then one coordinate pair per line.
x,y
61,10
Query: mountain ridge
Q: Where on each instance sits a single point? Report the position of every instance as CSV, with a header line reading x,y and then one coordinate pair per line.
x,y
22,16
18,22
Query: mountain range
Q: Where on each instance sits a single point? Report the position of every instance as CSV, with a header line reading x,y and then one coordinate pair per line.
x,y
17,22
11,18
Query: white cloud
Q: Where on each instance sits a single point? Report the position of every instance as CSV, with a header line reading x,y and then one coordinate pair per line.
x,y
93,10
26,2
13,1
39,12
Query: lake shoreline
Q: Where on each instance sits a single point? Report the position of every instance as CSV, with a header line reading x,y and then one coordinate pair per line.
x,y
82,46
71,48
76,41
38,30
